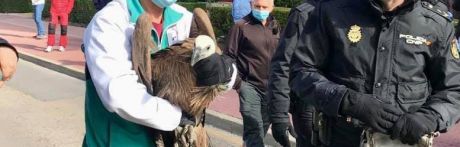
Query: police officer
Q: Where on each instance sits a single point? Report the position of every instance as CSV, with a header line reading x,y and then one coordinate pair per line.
x,y
278,93
392,65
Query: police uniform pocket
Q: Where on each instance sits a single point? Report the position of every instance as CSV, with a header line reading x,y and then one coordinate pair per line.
x,y
412,94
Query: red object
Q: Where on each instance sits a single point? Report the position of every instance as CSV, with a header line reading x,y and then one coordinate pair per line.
x,y
62,40
61,6
158,28
60,10
51,40
62,19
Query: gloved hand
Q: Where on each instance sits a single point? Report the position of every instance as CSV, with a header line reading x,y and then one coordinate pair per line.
x,y
412,126
280,132
370,110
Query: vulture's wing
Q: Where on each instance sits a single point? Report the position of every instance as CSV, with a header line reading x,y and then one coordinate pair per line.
x,y
142,44
202,25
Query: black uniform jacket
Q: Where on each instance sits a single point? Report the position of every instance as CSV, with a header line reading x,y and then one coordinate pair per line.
x,y
408,58
278,93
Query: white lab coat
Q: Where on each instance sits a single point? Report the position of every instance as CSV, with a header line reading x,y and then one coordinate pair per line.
x,y
107,41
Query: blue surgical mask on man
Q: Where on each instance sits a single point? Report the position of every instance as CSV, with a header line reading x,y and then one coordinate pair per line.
x,y
163,3
260,15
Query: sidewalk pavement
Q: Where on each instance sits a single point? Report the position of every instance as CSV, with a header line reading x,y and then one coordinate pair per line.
x,y
19,30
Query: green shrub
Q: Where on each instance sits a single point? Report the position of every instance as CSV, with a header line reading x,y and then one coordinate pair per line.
x,y
15,6
192,5
83,11
221,19
281,14
287,3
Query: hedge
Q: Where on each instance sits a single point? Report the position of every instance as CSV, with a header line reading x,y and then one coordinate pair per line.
x,y
83,11
221,15
15,6
287,3
278,3
191,5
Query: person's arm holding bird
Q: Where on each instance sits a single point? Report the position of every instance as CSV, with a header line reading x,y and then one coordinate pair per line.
x,y
8,61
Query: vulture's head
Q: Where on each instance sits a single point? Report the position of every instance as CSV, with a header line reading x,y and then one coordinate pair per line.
x,y
204,47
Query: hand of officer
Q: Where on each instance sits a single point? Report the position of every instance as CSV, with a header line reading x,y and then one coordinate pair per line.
x,y
368,109
8,61
412,126
281,133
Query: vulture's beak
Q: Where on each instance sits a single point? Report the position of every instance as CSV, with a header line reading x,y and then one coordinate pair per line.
x,y
204,47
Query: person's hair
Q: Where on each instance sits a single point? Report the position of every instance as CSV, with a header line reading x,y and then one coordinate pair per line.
x,y
252,1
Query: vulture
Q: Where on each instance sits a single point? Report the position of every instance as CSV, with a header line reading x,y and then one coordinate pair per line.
x,y
189,74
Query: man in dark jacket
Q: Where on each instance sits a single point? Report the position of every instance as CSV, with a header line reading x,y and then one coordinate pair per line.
x,y
8,61
392,66
278,92
252,42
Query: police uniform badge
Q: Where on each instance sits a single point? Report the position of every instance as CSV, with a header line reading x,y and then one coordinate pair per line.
x,y
454,49
354,35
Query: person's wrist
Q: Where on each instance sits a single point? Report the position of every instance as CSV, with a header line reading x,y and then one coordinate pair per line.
x,y
346,104
431,119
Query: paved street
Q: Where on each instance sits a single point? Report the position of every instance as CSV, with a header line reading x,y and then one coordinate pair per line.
x,y
43,108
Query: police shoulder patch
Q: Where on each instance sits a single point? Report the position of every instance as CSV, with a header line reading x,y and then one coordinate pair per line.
x,y
433,8
454,49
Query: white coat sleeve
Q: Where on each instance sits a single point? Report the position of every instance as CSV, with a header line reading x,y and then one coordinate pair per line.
x,y
108,56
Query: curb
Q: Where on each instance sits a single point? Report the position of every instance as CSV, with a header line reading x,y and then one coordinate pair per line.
x,y
52,66
215,119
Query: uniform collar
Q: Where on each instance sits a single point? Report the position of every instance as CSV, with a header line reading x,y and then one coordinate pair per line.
x,y
407,6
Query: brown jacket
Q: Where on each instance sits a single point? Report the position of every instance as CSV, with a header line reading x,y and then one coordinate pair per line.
x,y
252,46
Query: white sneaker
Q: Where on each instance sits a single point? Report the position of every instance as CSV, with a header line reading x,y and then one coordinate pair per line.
x,y
61,48
49,49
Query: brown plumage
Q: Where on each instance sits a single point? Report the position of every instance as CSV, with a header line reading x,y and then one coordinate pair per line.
x,y
174,79
169,74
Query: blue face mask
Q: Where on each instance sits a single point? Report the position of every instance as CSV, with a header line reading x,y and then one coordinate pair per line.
x,y
260,15
163,3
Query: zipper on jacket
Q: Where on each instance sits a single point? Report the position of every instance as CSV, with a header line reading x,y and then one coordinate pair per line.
x,y
160,38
